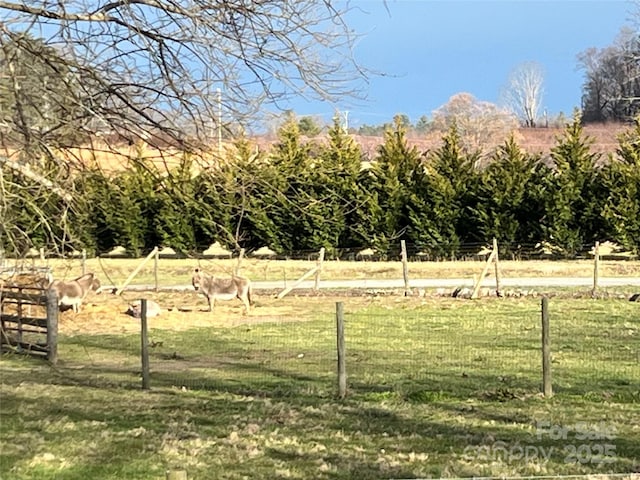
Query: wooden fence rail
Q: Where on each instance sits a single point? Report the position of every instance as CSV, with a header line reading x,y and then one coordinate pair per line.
x,y
29,321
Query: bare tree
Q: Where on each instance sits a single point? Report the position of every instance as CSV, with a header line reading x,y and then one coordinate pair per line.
x,y
153,65
524,91
148,70
611,88
482,125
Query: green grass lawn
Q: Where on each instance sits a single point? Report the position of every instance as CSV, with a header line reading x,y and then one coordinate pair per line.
x,y
436,387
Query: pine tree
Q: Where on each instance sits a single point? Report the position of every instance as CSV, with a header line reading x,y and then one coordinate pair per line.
x,y
508,207
122,208
388,185
572,217
337,181
441,213
227,192
621,180
177,208
93,190
277,213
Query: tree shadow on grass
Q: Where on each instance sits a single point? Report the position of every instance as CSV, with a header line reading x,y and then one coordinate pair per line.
x,y
383,430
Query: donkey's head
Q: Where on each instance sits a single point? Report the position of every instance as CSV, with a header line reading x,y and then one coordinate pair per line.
x,y
87,281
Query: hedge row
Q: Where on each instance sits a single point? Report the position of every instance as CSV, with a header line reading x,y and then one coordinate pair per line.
x,y
302,195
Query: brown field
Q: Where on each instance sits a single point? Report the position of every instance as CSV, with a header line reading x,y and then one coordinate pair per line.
x,y
115,158
532,140
106,313
185,309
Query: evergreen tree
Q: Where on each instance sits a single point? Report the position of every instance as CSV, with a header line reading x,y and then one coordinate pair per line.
x,y
94,191
38,208
177,208
31,216
621,179
311,205
441,214
572,216
275,212
338,184
388,185
297,210
227,192
509,206
122,208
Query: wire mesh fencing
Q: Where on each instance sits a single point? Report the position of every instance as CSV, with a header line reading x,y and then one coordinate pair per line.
x,y
415,355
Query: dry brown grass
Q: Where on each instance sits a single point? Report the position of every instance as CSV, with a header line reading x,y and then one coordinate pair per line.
x,y
106,314
115,158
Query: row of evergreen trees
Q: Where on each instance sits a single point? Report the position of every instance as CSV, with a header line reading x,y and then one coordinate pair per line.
x,y
301,195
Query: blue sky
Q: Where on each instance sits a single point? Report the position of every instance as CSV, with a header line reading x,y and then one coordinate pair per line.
x,y
431,50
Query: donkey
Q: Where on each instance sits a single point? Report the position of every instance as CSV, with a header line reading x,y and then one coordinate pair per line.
x,y
222,288
71,293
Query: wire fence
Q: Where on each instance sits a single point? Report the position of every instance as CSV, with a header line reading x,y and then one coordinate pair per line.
x,y
408,356
415,252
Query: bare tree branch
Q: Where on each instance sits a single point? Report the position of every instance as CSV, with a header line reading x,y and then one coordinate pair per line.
x,y
121,71
27,172
524,92
165,57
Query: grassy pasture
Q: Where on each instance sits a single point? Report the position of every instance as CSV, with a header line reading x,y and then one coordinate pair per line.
x,y
114,271
437,387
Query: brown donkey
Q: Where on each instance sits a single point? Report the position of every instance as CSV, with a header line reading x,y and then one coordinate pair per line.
x,y
71,293
222,288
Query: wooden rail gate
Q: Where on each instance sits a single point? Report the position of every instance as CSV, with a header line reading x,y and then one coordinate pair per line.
x,y
29,321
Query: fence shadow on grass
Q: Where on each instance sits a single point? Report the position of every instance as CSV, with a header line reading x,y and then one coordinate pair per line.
x,y
412,357
419,420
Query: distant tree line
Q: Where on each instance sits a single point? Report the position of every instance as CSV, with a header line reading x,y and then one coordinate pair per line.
x,y
611,89
302,195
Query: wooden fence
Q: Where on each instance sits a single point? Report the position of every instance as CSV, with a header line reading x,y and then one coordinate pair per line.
x,y
29,321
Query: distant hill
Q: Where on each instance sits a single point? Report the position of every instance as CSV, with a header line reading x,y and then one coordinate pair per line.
x,y
532,140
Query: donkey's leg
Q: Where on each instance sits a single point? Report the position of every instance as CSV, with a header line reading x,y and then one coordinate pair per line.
x,y
212,302
245,300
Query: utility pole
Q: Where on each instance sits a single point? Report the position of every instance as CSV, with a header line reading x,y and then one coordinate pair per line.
x,y
346,121
219,121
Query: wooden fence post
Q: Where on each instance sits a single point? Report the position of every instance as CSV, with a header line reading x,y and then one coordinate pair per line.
x,y
342,363
20,314
497,267
2,327
156,260
405,267
316,285
120,289
546,350
144,344
52,327
298,282
476,288
596,268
